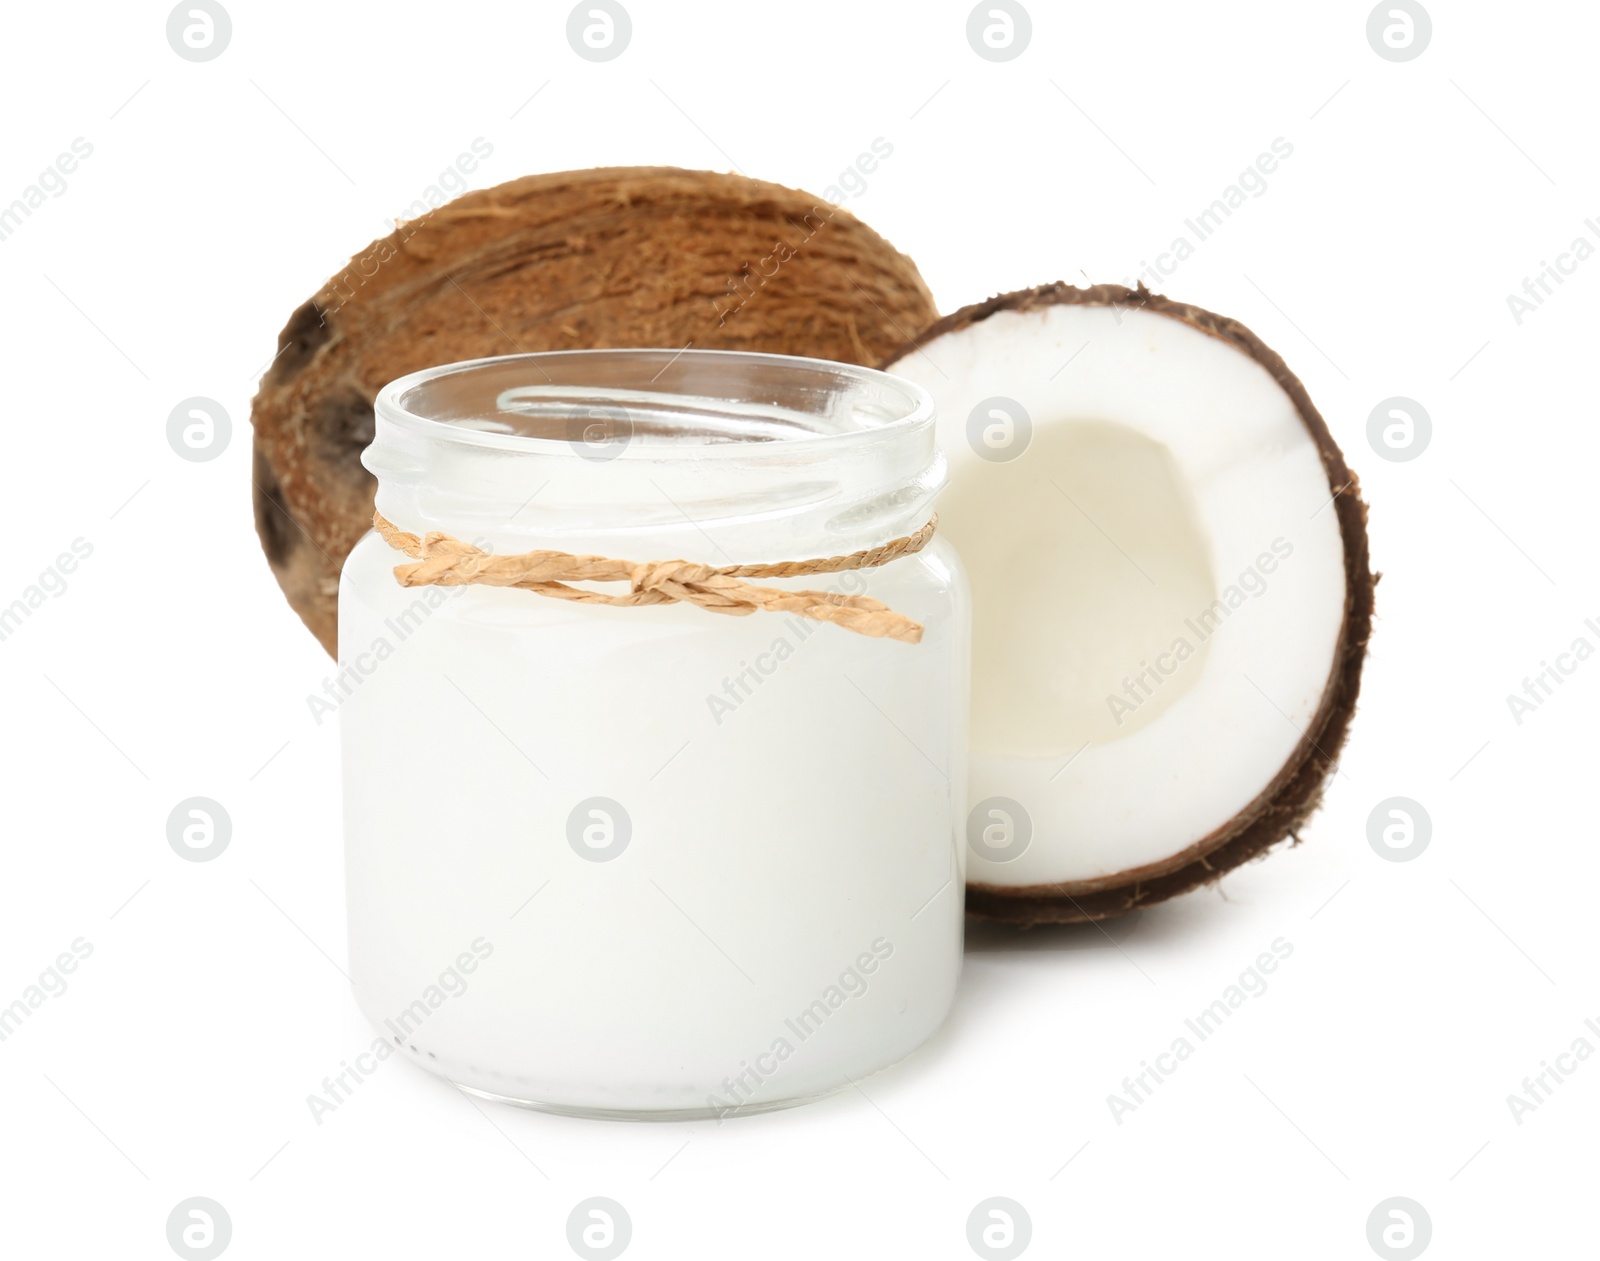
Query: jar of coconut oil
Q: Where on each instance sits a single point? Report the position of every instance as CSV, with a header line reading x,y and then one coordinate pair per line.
x,y
652,856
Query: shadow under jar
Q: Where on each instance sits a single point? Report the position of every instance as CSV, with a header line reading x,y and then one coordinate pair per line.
x,y
653,861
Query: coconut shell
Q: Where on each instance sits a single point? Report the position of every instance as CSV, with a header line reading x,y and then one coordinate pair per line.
x,y
1283,805
613,257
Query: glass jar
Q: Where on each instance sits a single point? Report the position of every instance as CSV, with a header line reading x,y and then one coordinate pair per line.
x,y
653,861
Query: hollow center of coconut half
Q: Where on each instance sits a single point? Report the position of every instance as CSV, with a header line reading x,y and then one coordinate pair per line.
x,y
1144,501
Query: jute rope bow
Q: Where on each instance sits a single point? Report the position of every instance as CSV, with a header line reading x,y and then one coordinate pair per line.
x,y
446,561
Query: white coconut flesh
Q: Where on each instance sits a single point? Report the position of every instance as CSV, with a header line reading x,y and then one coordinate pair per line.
x,y
1158,582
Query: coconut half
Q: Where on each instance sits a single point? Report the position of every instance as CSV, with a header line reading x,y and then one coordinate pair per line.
x,y
1171,594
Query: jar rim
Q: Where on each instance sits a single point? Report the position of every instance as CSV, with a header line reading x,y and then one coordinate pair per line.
x,y
913,407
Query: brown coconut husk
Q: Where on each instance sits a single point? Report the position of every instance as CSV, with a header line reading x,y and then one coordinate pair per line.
x,y
613,257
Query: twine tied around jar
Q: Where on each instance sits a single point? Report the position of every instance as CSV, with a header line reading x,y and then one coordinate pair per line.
x,y
446,561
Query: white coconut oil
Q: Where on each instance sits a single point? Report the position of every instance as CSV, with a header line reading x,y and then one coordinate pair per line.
x,y
653,861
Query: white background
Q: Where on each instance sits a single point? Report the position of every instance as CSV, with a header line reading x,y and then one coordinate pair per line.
x,y
1418,996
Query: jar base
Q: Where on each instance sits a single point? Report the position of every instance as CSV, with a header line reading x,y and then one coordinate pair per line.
x,y
649,1114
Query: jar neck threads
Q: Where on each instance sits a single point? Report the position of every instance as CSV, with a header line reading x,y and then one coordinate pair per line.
x,y
711,456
